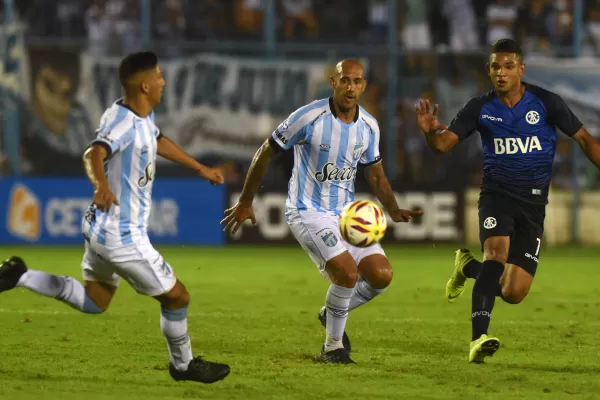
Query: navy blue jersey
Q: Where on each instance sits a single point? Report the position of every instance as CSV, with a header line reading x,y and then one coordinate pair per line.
x,y
518,142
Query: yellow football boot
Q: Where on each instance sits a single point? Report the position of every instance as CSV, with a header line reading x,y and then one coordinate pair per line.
x,y
483,347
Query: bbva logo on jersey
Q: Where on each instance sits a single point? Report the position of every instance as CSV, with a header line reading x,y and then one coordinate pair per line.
x,y
516,145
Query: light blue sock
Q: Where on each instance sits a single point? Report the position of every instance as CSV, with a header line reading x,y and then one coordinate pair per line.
x,y
173,324
64,288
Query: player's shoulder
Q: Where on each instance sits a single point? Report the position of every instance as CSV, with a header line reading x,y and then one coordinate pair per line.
x,y
482,99
116,116
368,119
309,111
545,95
314,106
473,106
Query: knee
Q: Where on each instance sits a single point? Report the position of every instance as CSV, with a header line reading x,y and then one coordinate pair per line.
x,y
514,294
496,249
176,298
380,278
184,299
495,253
347,278
342,270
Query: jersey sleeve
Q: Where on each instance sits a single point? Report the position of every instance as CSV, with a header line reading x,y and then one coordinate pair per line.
x,y
114,134
292,130
562,117
465,121
371,155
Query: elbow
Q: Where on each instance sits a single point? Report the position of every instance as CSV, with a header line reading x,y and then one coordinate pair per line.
x,y
87,156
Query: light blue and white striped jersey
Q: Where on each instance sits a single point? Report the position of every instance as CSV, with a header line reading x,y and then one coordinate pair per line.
x,y
131,142
327,152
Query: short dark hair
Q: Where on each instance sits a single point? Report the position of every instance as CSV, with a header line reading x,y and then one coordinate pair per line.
x,y
507,46
136,62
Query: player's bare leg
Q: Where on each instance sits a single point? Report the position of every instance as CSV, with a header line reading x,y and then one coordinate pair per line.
x,y
343,274
515,284
173,323
375,275
93,298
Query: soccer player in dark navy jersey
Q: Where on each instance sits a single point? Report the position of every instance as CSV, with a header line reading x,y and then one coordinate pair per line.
x,y
517,123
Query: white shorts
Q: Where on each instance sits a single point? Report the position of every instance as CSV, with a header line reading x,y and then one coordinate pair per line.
x,y
319,235
139,264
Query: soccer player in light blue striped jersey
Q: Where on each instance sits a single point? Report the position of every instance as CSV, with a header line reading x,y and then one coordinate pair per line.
x,y
120,163
330,138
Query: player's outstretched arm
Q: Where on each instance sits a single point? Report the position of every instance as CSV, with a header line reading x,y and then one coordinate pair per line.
x,y
257,170
169,150
383,190
93,162
243,210
589,145
437,136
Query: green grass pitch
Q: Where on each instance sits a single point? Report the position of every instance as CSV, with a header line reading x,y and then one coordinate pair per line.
x,y
256,309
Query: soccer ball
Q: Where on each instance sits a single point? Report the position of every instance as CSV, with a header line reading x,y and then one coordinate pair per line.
x,y
362,223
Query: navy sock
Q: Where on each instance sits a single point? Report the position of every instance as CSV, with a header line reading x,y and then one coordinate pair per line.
x,y
472,269
485,291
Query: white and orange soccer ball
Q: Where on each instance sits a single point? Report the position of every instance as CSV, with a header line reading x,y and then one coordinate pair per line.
x,y
362,223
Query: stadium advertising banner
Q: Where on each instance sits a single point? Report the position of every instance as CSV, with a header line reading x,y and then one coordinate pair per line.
x,y
443,219
49,211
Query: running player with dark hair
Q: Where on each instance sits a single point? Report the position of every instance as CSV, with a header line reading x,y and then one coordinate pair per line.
x,y
517,123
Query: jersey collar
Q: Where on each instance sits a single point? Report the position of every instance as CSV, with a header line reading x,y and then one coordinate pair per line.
x,y
120,103
335,115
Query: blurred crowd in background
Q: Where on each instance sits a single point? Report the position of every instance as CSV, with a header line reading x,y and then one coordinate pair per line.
x,y
444,43
459,25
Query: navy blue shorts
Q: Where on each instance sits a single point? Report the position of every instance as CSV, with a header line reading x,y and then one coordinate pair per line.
x,y
504,215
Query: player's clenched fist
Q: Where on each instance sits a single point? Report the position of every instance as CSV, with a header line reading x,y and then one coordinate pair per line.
x,y
104,198
213,175
236,216
405,215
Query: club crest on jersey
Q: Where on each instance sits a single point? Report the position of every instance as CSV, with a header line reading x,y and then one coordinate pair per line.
x,y
280,130
532,117
329,239
357,151
282,127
